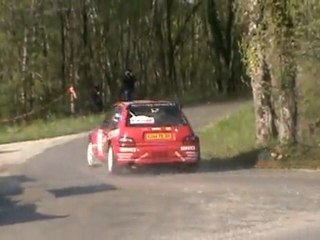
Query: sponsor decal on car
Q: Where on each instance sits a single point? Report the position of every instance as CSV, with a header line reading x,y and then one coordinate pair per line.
x,y
191,153
141,120
128,149
188,148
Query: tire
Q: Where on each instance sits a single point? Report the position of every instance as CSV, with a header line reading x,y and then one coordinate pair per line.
x,y
90,156
112,164
191,167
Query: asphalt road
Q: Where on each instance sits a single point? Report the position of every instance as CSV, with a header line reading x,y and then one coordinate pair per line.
x,y
56,196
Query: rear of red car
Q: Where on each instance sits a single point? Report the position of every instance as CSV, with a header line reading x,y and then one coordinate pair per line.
x,y
156,132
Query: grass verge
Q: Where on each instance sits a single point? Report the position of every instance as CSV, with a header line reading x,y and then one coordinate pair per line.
x,y
230,143
39,129
229,137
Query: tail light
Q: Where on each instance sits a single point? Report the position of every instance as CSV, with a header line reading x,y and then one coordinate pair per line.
x,y
127,142
190,140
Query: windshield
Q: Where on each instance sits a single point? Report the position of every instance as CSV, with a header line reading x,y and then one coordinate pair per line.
x,y
155,115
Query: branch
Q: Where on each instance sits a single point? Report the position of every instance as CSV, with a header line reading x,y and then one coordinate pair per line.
x,y
179,36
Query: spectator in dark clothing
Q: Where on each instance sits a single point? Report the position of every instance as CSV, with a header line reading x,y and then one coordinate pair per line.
x,y
96,96
128,85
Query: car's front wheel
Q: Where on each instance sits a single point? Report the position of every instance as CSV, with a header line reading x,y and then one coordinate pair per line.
x,y
90,155
112,164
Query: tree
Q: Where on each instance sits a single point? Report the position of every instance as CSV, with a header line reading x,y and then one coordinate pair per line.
x,y
259,71
282,61
172,46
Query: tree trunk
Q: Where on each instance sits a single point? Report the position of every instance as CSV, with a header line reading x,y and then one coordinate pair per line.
x,y
158,34
63,47
284,70
24,68
261,89
286,110
171,49
258,71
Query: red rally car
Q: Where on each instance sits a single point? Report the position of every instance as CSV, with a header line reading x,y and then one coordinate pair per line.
x,y
144,132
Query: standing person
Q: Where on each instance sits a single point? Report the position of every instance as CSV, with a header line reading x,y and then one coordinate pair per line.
x,y
96,96
128,85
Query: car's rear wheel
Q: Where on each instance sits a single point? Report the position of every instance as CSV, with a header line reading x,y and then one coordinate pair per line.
x,y
190,167
90,155
112,164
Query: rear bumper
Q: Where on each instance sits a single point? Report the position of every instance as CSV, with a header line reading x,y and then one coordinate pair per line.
x,y
144,156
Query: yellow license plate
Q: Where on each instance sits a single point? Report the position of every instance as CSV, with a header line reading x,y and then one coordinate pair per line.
x,y
158,136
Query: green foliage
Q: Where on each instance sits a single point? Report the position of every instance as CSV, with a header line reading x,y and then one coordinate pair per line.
x,y
47,45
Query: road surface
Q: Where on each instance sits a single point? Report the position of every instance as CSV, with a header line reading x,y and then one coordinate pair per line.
x,y
55,195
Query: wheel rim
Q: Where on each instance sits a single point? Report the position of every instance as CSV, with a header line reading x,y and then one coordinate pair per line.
x,y
90,157
110,159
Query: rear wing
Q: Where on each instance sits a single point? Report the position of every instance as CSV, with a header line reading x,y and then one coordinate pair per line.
x,y
156,104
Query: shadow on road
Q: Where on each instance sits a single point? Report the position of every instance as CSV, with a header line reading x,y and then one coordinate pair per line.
x,y
13,212
243,161
9,151
72,191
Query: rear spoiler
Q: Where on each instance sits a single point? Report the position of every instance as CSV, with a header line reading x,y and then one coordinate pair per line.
x,y
156,104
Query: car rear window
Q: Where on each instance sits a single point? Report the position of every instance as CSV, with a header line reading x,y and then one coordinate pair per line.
x,y
155,115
